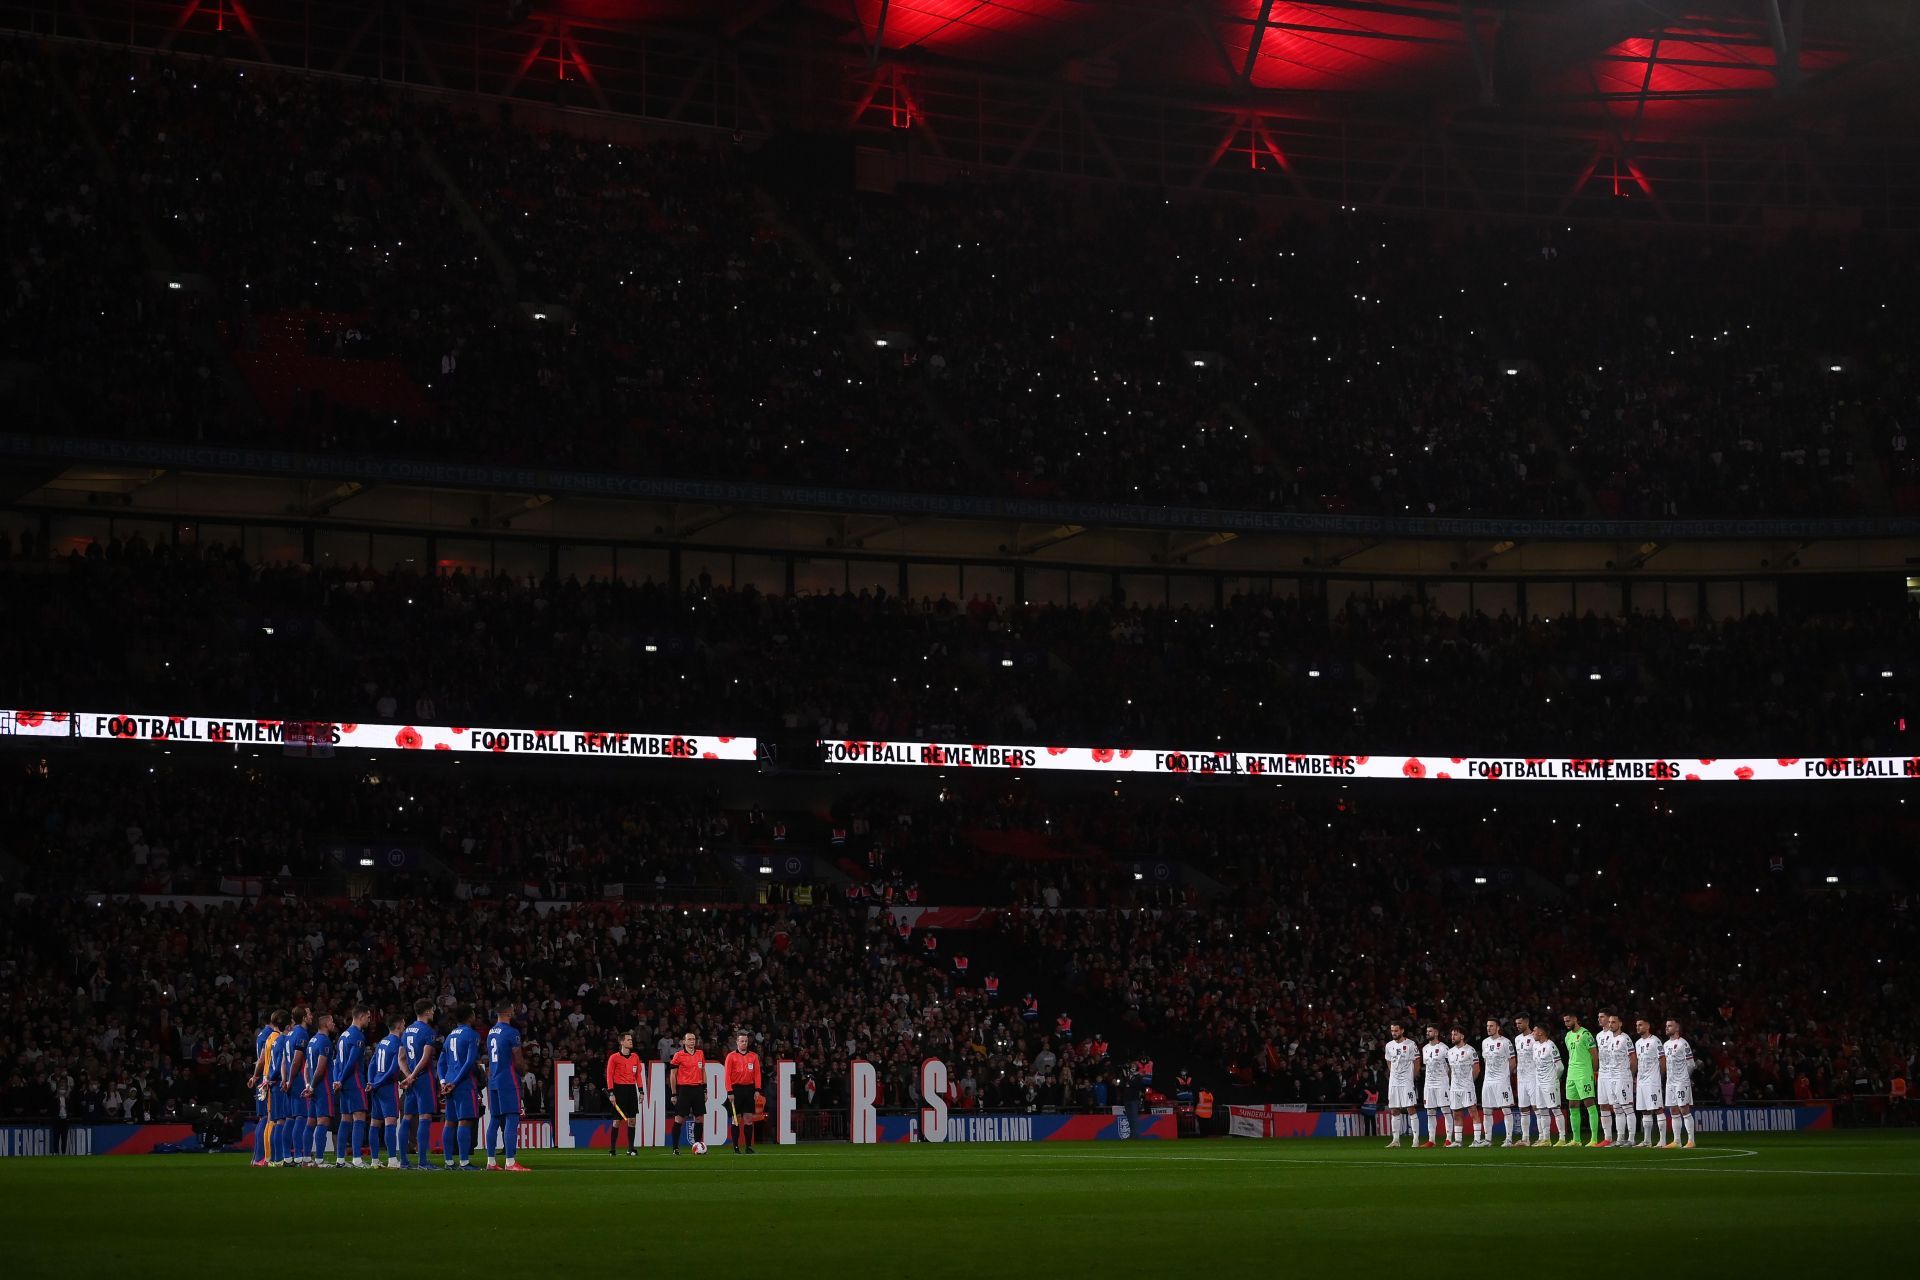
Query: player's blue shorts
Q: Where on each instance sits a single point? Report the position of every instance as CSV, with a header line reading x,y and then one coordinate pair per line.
x,y
503,1100
419,1100
463,1103
278,1108
385,1099
352,1096
323,1105
260,1101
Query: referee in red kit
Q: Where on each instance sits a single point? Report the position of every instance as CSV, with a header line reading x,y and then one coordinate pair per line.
x,y
623,1090
743,1081
689,1088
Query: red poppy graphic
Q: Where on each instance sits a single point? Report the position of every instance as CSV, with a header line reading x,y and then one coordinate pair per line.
x,y
709,755
30,719
441,746
1787,762
1444,776
1256,766
1413,768
1056,751
1103,755
408,738
1744,773
1693,777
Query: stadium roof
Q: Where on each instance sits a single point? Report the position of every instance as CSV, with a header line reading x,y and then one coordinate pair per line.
x,y
1667,66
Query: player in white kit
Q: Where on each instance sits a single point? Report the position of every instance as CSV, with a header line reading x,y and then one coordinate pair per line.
x,y
1433,1074
1676,1064
1547,1070
1403,1106
1463,1064
1523,1079
1615,1082
1496,1084
1646,1084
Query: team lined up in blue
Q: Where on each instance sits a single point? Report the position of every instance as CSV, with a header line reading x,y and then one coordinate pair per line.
x,y
383,1097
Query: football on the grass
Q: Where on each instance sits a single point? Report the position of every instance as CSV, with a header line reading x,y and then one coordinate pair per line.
x,y
699,1148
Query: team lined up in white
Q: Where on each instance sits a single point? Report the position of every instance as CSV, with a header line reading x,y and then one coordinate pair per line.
x,y
1636,1092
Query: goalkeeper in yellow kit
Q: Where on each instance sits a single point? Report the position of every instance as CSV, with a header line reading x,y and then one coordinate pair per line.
x,y
1583,1061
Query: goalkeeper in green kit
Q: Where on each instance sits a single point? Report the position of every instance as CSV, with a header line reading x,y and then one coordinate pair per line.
x,y
1583,1060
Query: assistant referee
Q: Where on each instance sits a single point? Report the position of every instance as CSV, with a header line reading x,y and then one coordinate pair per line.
x,y
743,1081
623,1087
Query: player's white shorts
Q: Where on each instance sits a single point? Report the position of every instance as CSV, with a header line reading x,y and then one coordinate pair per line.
x,y
1400,1097
1460,1097
1646,1094
1436,1097
1679,1093
1616,1091
1529,1092
1496,1093
1546,1097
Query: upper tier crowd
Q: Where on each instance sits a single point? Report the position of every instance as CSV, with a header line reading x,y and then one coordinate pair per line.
x,y
480,288
129,627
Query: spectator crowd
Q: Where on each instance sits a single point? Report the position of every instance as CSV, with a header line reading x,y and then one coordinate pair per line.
x,y
128,627
326,265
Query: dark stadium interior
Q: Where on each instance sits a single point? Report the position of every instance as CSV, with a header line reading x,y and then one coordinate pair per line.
x,y
1520,380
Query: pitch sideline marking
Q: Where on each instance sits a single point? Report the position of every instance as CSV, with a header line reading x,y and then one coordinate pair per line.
x,y
1671,1166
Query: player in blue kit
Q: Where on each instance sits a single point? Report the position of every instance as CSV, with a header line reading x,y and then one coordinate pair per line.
x,y
293,1074
383,1093
504,1064
350,1089
462,1084
418,1048
442,1086
318,1090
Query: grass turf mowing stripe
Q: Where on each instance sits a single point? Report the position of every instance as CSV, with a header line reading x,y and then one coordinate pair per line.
x,y
1227,1208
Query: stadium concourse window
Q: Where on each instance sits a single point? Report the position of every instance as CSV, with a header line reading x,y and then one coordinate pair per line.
x,y
870,576
342,549
469,556
275,545
934,582
765,574
399,553
585,563
818,575
638,566
1549,601
1047,587
522,559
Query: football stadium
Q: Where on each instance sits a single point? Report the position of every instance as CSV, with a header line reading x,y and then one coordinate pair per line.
x,y
930,637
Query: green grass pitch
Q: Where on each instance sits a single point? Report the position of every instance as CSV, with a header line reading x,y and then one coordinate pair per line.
x,y
1738,1205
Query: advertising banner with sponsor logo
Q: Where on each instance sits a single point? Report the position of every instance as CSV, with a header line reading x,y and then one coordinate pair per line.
x,y
1428,768
213,731
1282,1121
1033,1128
